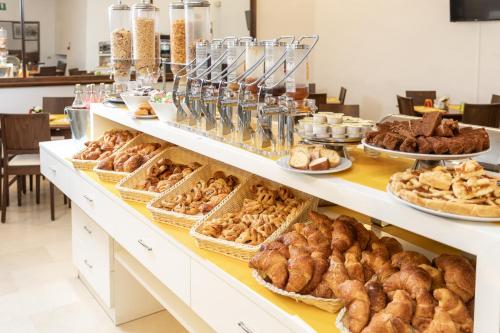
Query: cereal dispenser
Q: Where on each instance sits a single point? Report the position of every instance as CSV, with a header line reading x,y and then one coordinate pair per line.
x,y
145,27
177,36
197,25
121,41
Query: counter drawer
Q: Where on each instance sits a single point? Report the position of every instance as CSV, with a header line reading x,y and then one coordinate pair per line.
x,y
225,309
55,171
168,263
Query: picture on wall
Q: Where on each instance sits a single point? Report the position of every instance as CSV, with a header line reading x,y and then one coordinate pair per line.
x,y
31,30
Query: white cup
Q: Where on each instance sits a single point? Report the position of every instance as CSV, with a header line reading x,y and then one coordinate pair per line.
x,y
319,118
320,130
334,119
338,130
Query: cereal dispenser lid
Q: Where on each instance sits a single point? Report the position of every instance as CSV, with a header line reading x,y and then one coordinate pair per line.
x,y
119,5
177,5
144,5
197,3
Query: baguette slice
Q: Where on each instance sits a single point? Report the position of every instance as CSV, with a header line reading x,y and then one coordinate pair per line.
x,y
332,156
299,160
319,164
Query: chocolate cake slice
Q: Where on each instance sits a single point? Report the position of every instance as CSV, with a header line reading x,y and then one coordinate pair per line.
x,y
409,145
392,141
439,145
456,145
447,128
424,146
430,121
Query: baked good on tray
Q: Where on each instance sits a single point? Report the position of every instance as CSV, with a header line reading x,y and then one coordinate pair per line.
x,y
258,218
462,190
383,287
164,173
313,157
203,197
429,135
110,142
131,158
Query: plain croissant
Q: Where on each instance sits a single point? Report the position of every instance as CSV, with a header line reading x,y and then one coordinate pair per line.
x,y
459,275
357,303
453,305
413,280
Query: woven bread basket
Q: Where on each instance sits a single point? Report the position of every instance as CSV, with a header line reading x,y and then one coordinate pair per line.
x,y
184,220
243,251
127,186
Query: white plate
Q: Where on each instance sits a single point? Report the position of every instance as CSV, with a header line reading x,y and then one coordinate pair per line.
x,y
144,117
422,157
444,214
344,165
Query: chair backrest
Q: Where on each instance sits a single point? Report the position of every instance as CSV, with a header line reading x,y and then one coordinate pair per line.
x,y
419,97
73,71
48,71
406,106
343,93
482,115
318,98
61,67
21,133
56,105
495,99
348,110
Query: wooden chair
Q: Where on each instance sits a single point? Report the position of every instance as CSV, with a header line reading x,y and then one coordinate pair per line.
x,y
482,115
319,98
419,97
21,135
61,68
406,106
47,71
348,110
56,105
343,93
495,99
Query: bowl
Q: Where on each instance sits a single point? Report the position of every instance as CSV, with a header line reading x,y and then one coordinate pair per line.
x,y
133,101
166,112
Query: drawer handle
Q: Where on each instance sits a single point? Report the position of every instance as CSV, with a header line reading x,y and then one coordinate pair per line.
x,y
54,171
89,199
149,248
87,264
244,327
87,230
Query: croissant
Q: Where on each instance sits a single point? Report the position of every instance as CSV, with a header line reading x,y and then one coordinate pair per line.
x,y
353,264
317,241
412,280
320,265
436,276
395,318
300,271
342,236
407,259
459,275
276,245
273,265
453,305
441,323
362,235
335,275
378,264
294,238
376,294
424,310
392,245
357,303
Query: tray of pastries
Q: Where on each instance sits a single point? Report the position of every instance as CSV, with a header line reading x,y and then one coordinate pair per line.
x,y
162,173
258,213
131,157
429,138
198,196
107,144
465,191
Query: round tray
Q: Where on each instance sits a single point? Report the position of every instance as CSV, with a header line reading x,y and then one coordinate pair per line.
x,y
314,139
422,157
443,214
344,165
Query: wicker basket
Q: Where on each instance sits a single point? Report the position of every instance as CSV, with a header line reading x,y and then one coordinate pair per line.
x,y
332,305
127,185
184,220
242,251
89,165
115,176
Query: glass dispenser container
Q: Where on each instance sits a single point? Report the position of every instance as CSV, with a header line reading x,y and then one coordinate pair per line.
x,y
145,26
121,41
254,53
216,51
274,51
197,25
3,45
177,36
297,84
235,65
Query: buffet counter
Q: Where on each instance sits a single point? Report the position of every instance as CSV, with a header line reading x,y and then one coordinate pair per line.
x,y
207,291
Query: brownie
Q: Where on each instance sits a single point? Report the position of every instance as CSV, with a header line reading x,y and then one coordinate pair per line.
x,y
392,141
409,145
370,136
379,139
456,145
430,121
415,127
468,143
385,127
447,128
439,145
481,132
403,128
424,146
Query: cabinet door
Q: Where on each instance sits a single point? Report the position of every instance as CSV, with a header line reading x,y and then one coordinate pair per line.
x,y
225,309
56,172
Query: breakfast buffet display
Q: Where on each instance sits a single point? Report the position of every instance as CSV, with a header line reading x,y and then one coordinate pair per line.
x,y
383,287
465,189
429,135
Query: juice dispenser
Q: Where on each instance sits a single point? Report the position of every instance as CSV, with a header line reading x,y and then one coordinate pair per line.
x,y
120,28
297,64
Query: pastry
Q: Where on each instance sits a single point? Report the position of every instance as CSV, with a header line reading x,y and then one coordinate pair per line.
x,y
110,142
459,275
144,109
132,158
357,303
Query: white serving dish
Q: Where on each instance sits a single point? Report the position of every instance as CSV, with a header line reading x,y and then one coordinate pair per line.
x,y
344,165
132,101
166,112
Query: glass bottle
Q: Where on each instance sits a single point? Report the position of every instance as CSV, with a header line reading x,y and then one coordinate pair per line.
x,y
121,41
78,102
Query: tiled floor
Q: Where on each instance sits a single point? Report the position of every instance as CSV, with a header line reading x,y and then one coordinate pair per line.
x,y
39,288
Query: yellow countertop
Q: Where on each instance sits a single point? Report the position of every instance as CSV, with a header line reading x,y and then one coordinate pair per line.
x,y
58,120
425,109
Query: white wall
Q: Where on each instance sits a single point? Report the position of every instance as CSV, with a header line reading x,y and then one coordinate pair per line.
x,y
71,32
228,17
380,48
20,100
36,10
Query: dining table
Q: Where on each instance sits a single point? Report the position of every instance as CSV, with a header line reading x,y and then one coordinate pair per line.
x,y
453,112
59,126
